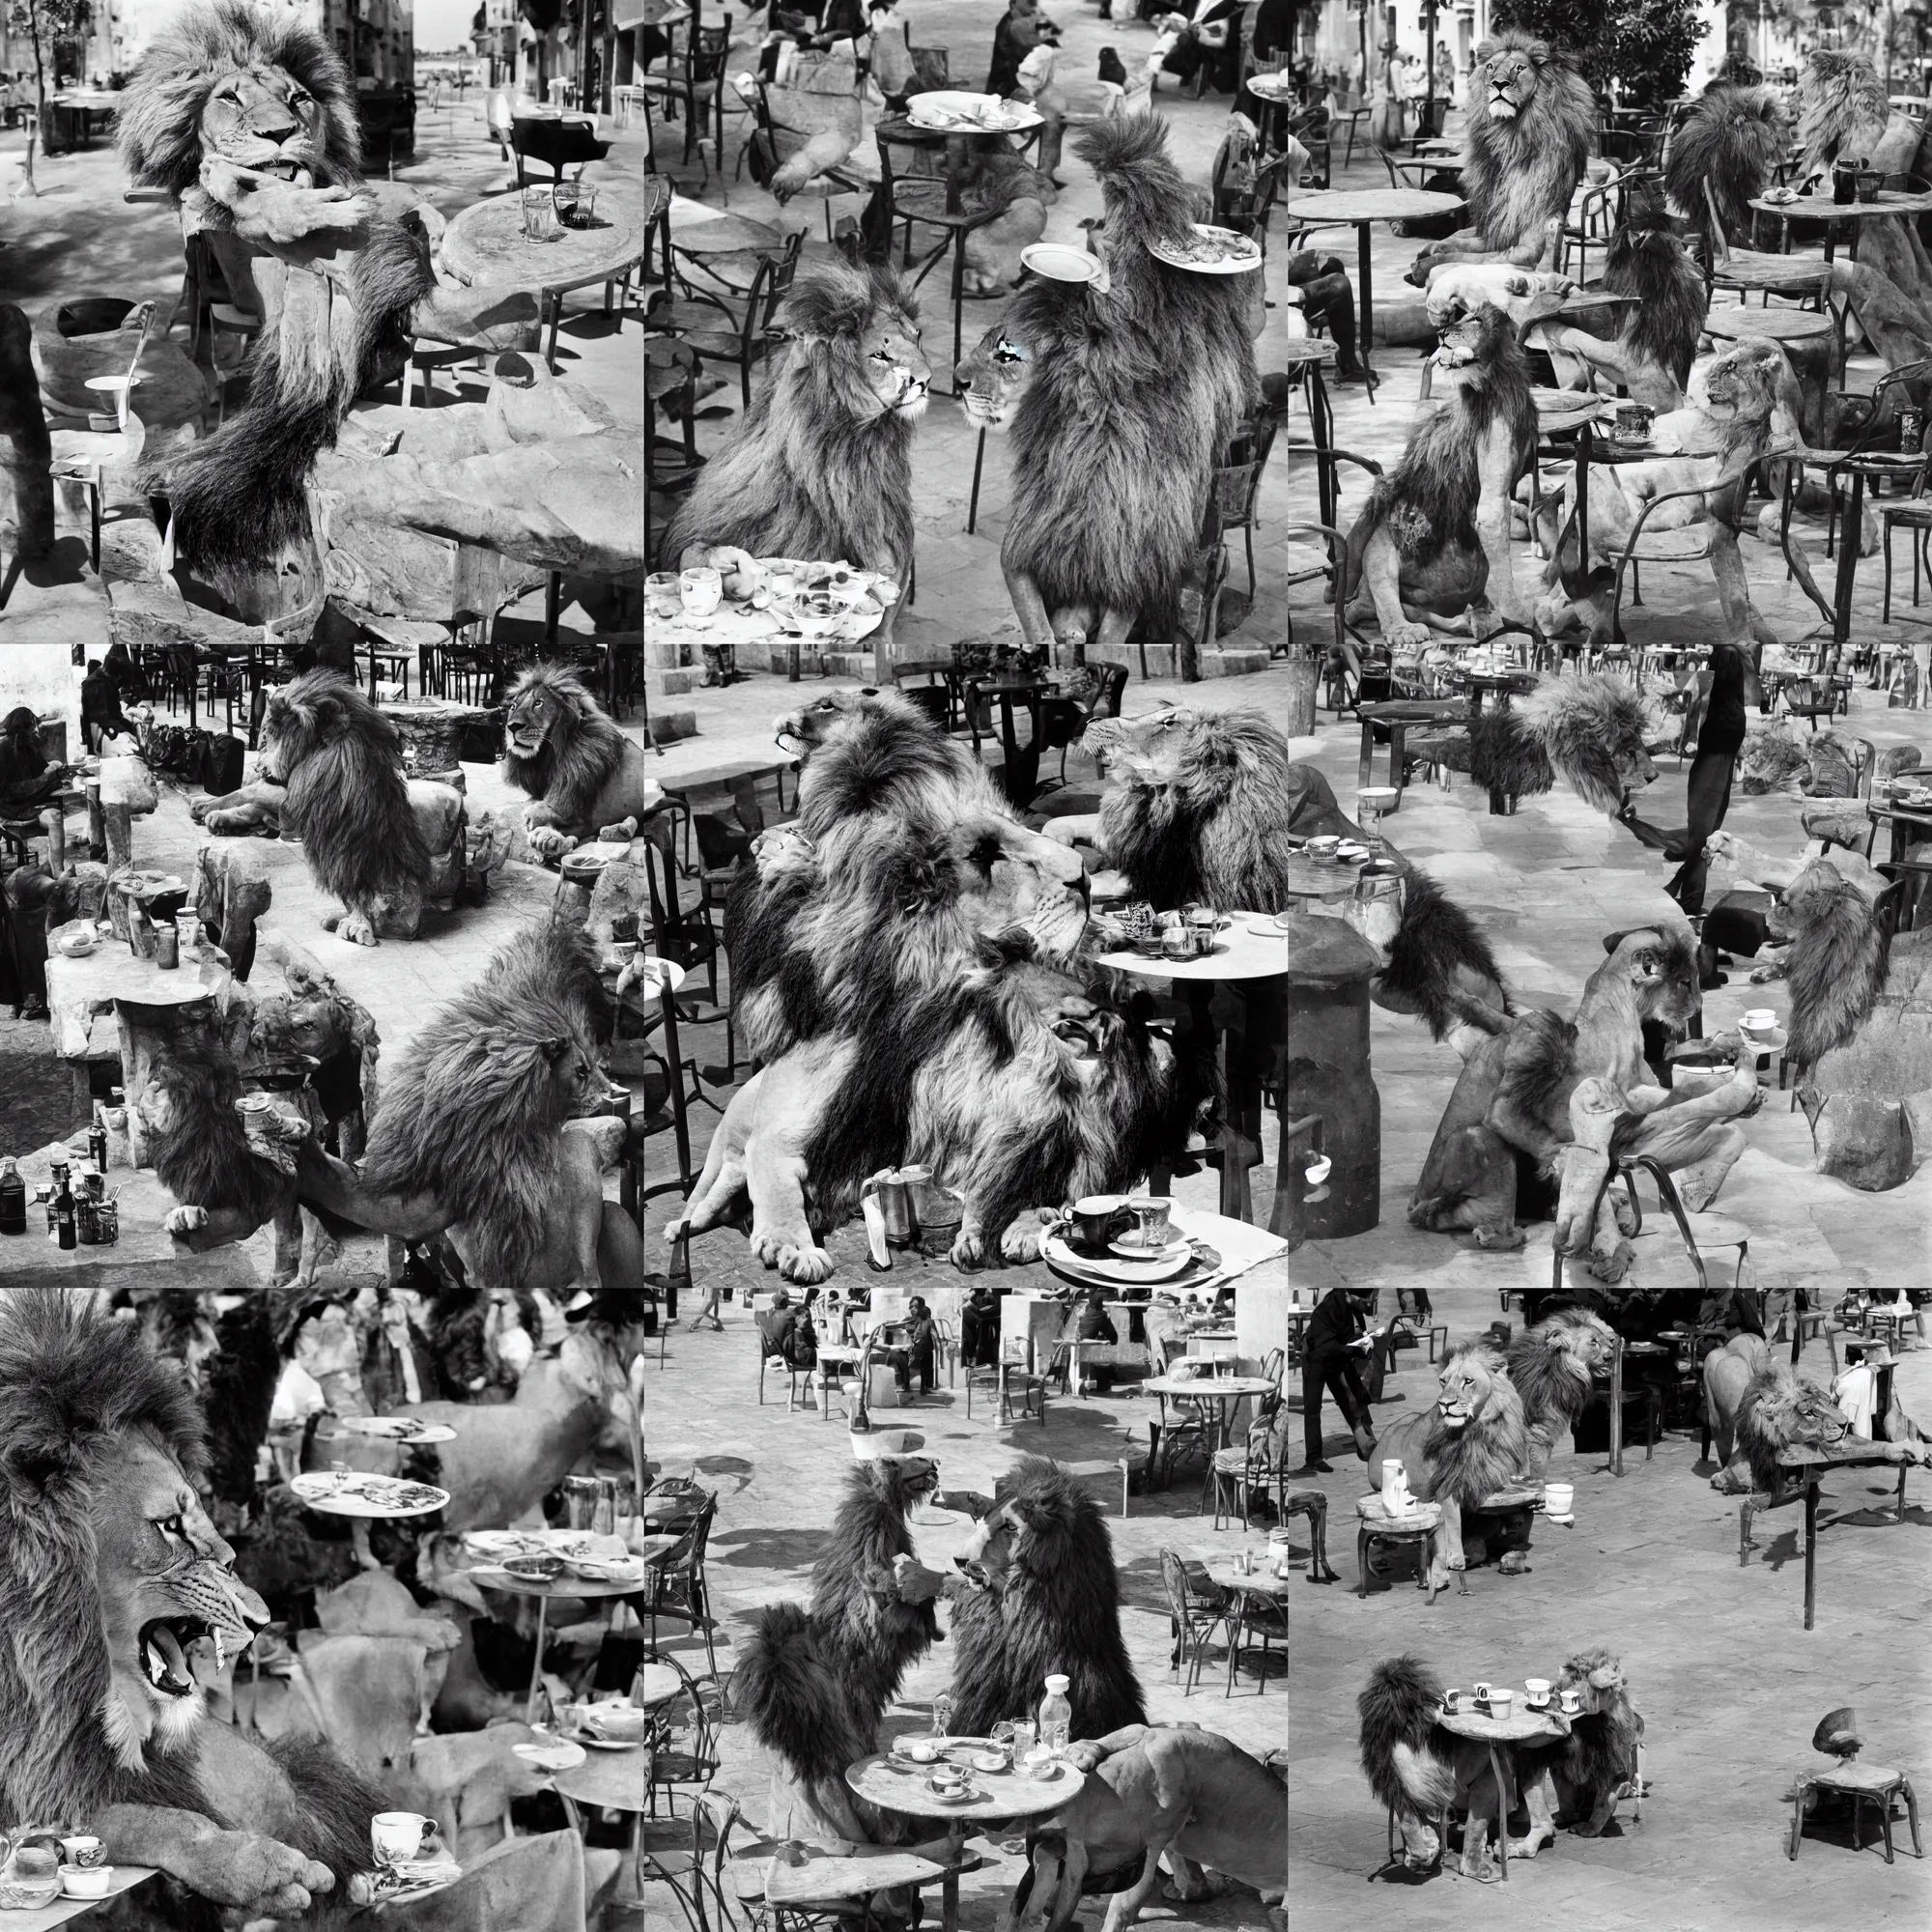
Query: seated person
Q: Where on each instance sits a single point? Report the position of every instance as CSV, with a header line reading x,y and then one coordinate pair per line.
x,y
1093,1324
1021,29
980,1326
1206,36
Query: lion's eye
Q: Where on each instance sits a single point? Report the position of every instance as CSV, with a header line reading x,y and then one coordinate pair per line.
x,y
172,1527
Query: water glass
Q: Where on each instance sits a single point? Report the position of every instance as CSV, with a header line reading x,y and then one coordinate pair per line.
x,y
540,222
699,590
1025,1732
661,594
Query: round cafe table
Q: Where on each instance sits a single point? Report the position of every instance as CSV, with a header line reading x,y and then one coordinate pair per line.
x,y
1003,1797
1252,946
1262,1587
1225,1392
1361,209
1890,201
1521,1727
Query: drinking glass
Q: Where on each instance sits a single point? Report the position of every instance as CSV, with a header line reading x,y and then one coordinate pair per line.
x,y
540,215
1025,1731
700,591
1003,1733
661,594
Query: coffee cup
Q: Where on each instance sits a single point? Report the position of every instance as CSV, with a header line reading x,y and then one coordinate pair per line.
x,y
1760,1021
1500,1702
86,1881
84,1850
1482,1692
947,1776
1538,1689
1322,850
1571,1703
1096,1219
619,1723
1452,1700
1558,1497
397,1836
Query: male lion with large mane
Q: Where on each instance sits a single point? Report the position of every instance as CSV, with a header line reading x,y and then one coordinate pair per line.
x,y
820,466
380,841
584,776
1532,123
118,1598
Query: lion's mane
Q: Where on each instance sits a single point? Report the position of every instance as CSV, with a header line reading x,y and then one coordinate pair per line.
x,y
1517,174
1732,137
1646,259
1550,1371
347,798
581,749
1060,1611
1601,1751
876,752
1769,1420
237,497
1839,960
814,1683
1842,109
1592,729
1468,1463
203,1159
472,1115
1134,396
816,468
975,1080
1207,821
1397,1708
72,1381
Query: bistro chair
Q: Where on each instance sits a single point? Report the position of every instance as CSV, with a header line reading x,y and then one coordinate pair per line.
x,y
734,329
678,1589
1196,1606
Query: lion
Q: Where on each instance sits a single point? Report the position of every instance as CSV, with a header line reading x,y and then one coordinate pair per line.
x,y
585,776
1497,1145
247,118
1778,1411
820,466
1015,1086
1421,1772
1729,140
1153,1789
1470,1443
1044,1599
901,855
120,1599
814,1683
1532,124
1112,470
1749,409
1857,1032
1433,539
1551,1366
381,843
481,1130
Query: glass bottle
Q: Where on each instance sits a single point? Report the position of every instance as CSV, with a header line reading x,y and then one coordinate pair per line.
x,y
67,1231
1055,1715
56,1188
12,1198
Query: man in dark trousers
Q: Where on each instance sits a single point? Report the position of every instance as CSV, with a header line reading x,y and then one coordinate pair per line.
x,y
1338,1333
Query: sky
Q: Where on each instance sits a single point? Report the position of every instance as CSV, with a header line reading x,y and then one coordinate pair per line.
x,y
443,24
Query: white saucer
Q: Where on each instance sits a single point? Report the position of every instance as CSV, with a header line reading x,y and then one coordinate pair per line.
x,y
607,1743
1166,1252
1571,1517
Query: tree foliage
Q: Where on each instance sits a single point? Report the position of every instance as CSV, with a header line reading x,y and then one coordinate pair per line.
x,y
41,23
1645,46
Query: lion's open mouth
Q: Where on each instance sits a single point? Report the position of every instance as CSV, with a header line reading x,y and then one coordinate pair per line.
x,y
168,1644
791,744
974,1573
286,167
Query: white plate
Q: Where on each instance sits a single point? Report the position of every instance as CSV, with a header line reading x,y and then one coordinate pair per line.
x,y
965,1795
1242,256
395,1427
609,1744
1121,1274
1059,263
550,1757
628,1571
953,112
1149,1257
353,1492
1273,86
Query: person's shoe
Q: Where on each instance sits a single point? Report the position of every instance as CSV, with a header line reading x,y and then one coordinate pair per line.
x,y
1110,67
1316,1469
1365,1444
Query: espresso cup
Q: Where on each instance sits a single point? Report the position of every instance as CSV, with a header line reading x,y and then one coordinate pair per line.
x,y
397,1836
1452,1699
1322,850
1150,1215
1760,1021
1500,1702
1538,1689
84,1850
1096,1219
1482,1693
1572,1703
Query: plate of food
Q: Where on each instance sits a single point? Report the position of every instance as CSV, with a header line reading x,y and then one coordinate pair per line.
x,y
1211,251
1109,1268
953,112
414,1878
355,1493
555,1754
1273,86
395,1427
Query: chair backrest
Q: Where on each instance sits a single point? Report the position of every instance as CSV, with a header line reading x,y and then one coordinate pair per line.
x,y
1109,686
783,266
687,1554
1187,1600
710,47
496,112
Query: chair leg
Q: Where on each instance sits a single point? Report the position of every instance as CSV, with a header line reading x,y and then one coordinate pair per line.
x,y
979,458
1884,608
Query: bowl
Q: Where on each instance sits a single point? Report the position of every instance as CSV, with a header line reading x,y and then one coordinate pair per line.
x,y
922,1750
535,1569
77,940
86,1881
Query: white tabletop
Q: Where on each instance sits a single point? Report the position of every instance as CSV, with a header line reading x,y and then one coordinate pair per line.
x,y
1253,947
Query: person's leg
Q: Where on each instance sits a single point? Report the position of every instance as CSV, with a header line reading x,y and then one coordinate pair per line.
x,y
1709,799
1312,1373
1351,1398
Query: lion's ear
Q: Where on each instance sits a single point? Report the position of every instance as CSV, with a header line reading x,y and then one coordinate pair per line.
x,y
1537,53
1646,964
555,1047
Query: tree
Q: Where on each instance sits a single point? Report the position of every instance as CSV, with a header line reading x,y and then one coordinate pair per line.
x,y
1645,46
45,24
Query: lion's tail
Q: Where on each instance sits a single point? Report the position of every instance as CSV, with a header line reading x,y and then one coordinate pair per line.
x,y
794,1698
1138,177
1440,966
1398,1711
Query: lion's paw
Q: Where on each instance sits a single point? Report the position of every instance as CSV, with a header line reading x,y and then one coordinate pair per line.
x,y
1499,1239
182,1221
674,1230
968,1250
1406,636
356,927
548,842
1023,1240
767,1248
1525,1848
1613,1266
803,1264
1625,1212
